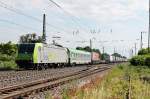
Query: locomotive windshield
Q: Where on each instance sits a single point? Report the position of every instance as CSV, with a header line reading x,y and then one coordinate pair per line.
x,y
26,48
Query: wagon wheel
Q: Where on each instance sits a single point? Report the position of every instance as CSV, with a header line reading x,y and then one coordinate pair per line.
x,y
45,66
34,67
38,67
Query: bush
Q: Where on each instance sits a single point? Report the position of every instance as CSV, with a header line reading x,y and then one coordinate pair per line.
x,y
7,62
8,48
4,57
147,61
138,60
143,52
8,65
7,55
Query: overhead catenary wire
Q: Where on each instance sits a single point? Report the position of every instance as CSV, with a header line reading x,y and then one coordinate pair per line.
x,y
72,17
17,24
17,11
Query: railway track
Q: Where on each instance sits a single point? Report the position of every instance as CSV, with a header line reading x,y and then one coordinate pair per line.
x,y
47,83
10,78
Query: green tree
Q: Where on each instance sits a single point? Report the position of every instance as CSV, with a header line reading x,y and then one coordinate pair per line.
x,y
88,49
116,55
8,48
105,56
7,55
143,51
124,57
30,38
79,48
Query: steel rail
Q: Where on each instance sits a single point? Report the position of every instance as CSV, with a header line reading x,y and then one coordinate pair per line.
x,y
26,89
35,82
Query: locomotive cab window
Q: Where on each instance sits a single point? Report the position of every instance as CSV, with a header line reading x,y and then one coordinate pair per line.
x,y
26,48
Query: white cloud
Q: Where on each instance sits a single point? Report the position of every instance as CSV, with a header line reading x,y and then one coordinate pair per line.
x,y
108,13
104,9
99,10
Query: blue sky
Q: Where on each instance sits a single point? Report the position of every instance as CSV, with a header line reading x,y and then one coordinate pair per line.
x,y
112,21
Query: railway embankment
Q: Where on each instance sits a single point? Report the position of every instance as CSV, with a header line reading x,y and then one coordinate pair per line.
x,y
123,81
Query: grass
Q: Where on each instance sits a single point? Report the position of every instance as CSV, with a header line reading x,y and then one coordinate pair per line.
x,y
116,85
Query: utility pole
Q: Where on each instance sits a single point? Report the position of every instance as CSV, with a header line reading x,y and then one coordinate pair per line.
x,y
114,50
135,48
103,49
91,50
131,52
114,53
141,40
54,43
44,29
149,30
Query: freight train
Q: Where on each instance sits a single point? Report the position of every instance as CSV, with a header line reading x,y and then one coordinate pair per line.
x,y
40,55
